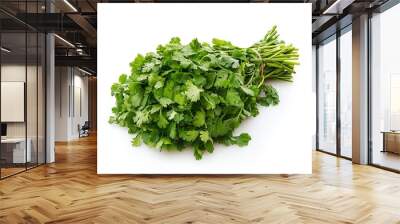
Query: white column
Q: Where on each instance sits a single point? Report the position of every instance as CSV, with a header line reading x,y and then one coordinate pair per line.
x,y
50,92
50,99
360,90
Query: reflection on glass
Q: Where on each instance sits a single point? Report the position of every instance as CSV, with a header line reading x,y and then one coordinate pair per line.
x,y
41,98
346,93
386,89
31,100
327,96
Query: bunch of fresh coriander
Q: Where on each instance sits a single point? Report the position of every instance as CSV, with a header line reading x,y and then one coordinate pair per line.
x,y
195,95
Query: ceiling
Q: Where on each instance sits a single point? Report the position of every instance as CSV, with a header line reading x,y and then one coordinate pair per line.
x,y
76,21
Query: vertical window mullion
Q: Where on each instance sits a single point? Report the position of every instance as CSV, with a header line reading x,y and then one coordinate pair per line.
x,y
0,94
369,90
26,87
317,95
37,90
338,81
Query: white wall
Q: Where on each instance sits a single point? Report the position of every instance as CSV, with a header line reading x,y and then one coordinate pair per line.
x,y
62,81
79,117
70,83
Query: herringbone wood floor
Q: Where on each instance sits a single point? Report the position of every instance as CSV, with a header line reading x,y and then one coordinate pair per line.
x,y
70,191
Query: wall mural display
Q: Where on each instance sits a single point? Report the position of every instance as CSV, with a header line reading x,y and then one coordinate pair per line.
x,y
204,88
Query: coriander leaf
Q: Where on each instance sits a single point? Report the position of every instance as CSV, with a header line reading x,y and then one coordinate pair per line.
x,y
229,62
141,117
209,146
210,101
222,79
136,65
171,114
148,67
180,99
247,90
233,98
137,141
192,92
271,96
189,136
242,140
172,130
122,78
199,119
198,154
159,84
204,136
165,101
162,121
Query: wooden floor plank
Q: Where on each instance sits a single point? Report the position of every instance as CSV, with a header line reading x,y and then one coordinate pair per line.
x,y
70,191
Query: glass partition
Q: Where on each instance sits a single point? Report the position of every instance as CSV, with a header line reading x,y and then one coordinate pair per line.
x,y
23,89
14,155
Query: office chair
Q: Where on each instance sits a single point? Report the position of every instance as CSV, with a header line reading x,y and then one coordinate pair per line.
x,y
84,130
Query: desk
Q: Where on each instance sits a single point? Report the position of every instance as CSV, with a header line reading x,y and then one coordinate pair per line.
x,y
391,141
16,147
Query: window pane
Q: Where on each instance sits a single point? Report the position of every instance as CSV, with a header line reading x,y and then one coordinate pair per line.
x,y
327,96
31,97
41,98
386,89
346,93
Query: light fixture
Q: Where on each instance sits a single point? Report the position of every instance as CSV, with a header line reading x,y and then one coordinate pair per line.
x,y
64,40
5,50
338,6
84,71
70,5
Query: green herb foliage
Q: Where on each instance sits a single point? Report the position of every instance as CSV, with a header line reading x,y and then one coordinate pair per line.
x,y
197,94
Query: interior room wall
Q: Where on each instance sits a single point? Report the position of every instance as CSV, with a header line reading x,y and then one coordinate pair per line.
x,y
70,83
80,109
62,81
